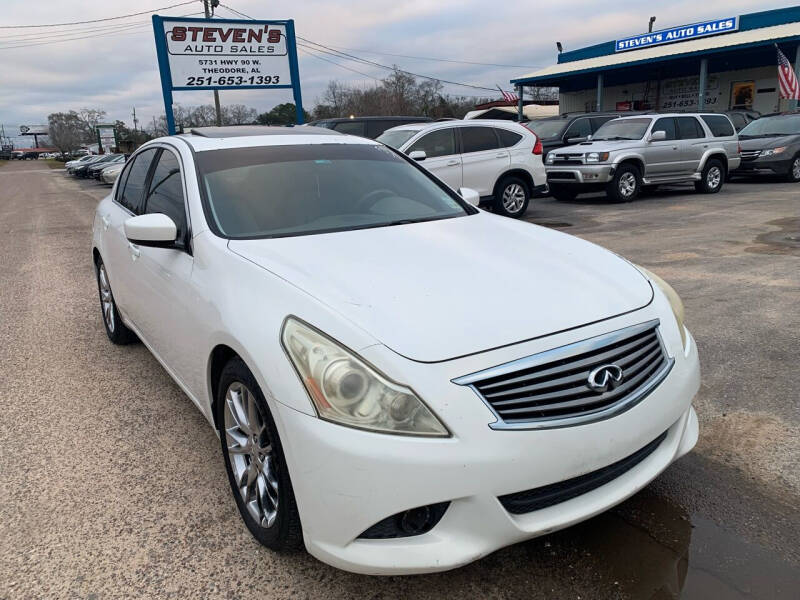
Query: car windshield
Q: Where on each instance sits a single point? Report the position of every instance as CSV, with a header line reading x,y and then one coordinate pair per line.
x,y
547,129
397,137
772,126
279,191
622,129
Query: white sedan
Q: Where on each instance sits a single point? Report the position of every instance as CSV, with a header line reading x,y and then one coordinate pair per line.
x,y
338,316
501,160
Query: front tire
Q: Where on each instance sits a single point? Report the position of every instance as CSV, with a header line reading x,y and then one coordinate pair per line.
x,y
116,330
712,177
625,185
254,460
794,170
511,197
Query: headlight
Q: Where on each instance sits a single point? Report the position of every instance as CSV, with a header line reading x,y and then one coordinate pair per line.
x,y
593,157
550,158
674,300
347,390
772,151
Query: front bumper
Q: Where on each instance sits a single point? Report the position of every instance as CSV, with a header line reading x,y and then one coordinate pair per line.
x,y
346,480
580,174
765,166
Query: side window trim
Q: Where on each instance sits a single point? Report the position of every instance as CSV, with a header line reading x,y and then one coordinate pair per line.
x,y
187,245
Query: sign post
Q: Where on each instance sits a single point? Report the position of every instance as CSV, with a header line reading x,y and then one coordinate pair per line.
x,y
206,54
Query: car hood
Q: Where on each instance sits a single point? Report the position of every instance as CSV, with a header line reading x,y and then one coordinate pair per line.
x,y
606,146
438,290
774,141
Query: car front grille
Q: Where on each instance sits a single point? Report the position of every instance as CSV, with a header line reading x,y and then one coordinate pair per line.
x,y
551,389
750,154
568,159
520,503
555,175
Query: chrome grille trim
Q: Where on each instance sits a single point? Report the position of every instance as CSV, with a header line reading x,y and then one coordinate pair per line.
x,y
750,154
638,349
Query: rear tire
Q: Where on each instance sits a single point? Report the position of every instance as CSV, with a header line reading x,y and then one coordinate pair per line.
x,y
712,177
511,197
116,330
254,460
794,170
625,185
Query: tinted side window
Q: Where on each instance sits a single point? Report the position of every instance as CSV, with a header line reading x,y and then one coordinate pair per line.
x,y
579,128
689,128
375,128
436,143
719,125
351,127
667,125
477,139
166,192
739,120
131,196
507,138
597,121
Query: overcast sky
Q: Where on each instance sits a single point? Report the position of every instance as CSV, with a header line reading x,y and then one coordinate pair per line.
x,y
116,71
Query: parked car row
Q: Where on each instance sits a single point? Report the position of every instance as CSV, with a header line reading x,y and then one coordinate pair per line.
x,y
628,154
104,168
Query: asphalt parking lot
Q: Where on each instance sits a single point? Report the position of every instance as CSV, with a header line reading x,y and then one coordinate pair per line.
x,y
114,486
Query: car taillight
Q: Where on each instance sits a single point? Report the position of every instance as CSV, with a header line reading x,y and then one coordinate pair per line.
x,y
537,147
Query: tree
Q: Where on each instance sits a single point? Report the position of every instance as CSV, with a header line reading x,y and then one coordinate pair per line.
x,y
283,114
238,114
66,131
89,118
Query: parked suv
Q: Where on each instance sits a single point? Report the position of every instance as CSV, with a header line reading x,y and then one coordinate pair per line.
x,y
369,127
501,160
569,128
771,145
646,150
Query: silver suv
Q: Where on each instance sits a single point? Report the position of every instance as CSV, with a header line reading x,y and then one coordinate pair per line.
x,y
630,153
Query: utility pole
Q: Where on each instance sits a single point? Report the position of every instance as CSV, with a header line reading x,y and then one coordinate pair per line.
x,y
209,6
135,122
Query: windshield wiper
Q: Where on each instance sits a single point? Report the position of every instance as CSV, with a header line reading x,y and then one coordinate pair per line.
x,y
613,138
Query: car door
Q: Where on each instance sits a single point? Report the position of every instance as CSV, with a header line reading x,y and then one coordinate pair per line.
x,y
441,156
118,254
661,156
482,158
161,276
691,143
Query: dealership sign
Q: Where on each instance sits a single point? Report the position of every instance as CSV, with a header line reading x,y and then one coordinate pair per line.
x,y
678,34
211,54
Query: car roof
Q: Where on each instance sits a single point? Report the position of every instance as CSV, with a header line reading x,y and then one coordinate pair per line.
x,y
248,136
374,118
454,123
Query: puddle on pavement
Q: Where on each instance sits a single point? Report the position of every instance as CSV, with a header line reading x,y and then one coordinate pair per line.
x,y
786,240
650,548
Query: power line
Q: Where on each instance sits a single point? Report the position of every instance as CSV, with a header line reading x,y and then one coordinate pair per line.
x,y
145,12
122,30
307,50
345,55
448,60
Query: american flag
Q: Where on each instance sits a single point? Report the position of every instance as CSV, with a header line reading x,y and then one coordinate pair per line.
x,y
508,96
787,80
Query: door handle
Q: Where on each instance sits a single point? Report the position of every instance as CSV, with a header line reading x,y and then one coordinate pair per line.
x,y
452,163
134,250
106,222
501,155
674,147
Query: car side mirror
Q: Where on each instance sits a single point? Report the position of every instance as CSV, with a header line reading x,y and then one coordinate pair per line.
x,y
154,229
418,155
470,196
657,136
576,140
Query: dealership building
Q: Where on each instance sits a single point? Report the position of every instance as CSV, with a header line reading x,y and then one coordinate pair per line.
x,y
717,65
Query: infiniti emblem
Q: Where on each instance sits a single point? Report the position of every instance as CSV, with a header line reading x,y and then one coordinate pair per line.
x,y
604,378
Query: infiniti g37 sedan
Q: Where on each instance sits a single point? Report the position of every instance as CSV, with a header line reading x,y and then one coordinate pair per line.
x,y
338,315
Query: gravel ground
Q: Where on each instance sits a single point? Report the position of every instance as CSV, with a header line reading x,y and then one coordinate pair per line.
x,y
113,483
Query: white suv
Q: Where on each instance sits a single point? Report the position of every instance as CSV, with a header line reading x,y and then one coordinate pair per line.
x,y
501,160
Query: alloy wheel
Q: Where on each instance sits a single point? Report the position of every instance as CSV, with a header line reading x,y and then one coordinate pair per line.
x,y
796,168
251,454
627,185
714,177
106,299
513,198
